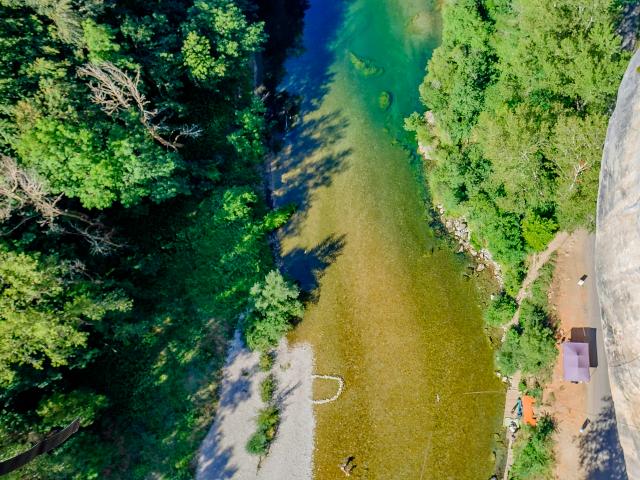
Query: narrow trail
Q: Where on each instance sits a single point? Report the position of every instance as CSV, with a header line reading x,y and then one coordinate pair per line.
x,y
537,262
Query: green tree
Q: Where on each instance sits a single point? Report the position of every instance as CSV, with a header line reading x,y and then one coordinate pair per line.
x,y
60,409
44,314
529,346
460,69
538,231
507,357
274,304
575,151
518,94
218,40
99,41
513,140
538,350
198,57
500,310
99,164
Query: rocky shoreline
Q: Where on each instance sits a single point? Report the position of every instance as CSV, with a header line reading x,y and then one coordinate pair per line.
x,y
458,228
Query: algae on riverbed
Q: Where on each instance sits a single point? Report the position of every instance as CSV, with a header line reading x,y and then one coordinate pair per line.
x,y
365,66
384,100
391,311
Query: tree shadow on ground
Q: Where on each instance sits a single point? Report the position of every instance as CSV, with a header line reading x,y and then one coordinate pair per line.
x,y
216,466
601,456
311,156
283,396
308,266
237,390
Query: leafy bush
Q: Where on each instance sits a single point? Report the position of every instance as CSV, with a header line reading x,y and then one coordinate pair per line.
x,y
508,357
266,361
60,409
535,391
500,311
258,444
274,303
267,423
529,346
268,388
537,343
533,455
538,231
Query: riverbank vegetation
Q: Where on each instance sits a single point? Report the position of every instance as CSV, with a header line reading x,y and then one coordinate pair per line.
x,y
274,306
267,420
530,345
519,94
533,455
133,224
517,99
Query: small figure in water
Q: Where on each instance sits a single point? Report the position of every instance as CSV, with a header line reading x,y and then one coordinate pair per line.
x,y
437,398
348,465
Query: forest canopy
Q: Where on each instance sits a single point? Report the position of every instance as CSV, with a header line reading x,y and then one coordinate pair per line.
x,y
519,93
133,221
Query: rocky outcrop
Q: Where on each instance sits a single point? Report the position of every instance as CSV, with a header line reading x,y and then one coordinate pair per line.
x,y
458,229
618,261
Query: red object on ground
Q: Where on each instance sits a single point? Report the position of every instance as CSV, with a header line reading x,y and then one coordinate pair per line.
x,y
528,416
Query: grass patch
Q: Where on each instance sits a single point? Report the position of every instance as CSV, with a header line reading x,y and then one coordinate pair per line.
x,y
266,361
268,388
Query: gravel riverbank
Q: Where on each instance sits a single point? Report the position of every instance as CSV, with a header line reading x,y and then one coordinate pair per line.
x,y
223,455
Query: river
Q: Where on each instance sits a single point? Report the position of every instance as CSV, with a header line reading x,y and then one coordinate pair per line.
x,y
389,309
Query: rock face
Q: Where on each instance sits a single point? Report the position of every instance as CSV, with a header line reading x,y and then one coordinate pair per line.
x,y
618,261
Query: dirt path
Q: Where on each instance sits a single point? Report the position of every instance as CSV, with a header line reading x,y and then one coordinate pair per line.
x,y
223,455
537,262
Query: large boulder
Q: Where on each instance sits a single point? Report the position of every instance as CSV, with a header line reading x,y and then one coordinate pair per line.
x,y
618,261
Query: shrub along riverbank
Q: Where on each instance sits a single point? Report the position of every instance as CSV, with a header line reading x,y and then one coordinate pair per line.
x,y
133,223
518,96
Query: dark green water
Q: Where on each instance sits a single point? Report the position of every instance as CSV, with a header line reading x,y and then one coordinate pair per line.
x,y
391,311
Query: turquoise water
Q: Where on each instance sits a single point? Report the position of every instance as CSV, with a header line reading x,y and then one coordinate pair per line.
x,y
390,309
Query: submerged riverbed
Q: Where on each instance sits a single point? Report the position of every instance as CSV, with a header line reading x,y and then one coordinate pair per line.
x,y
390,308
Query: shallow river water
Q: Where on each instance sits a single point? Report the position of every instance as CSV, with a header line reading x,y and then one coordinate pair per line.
x,y
391,311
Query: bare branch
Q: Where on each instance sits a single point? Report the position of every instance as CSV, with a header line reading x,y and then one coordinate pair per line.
x,y
21,189
114,90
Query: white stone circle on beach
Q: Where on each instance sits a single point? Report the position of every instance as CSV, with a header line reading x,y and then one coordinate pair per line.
x,y
340,381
